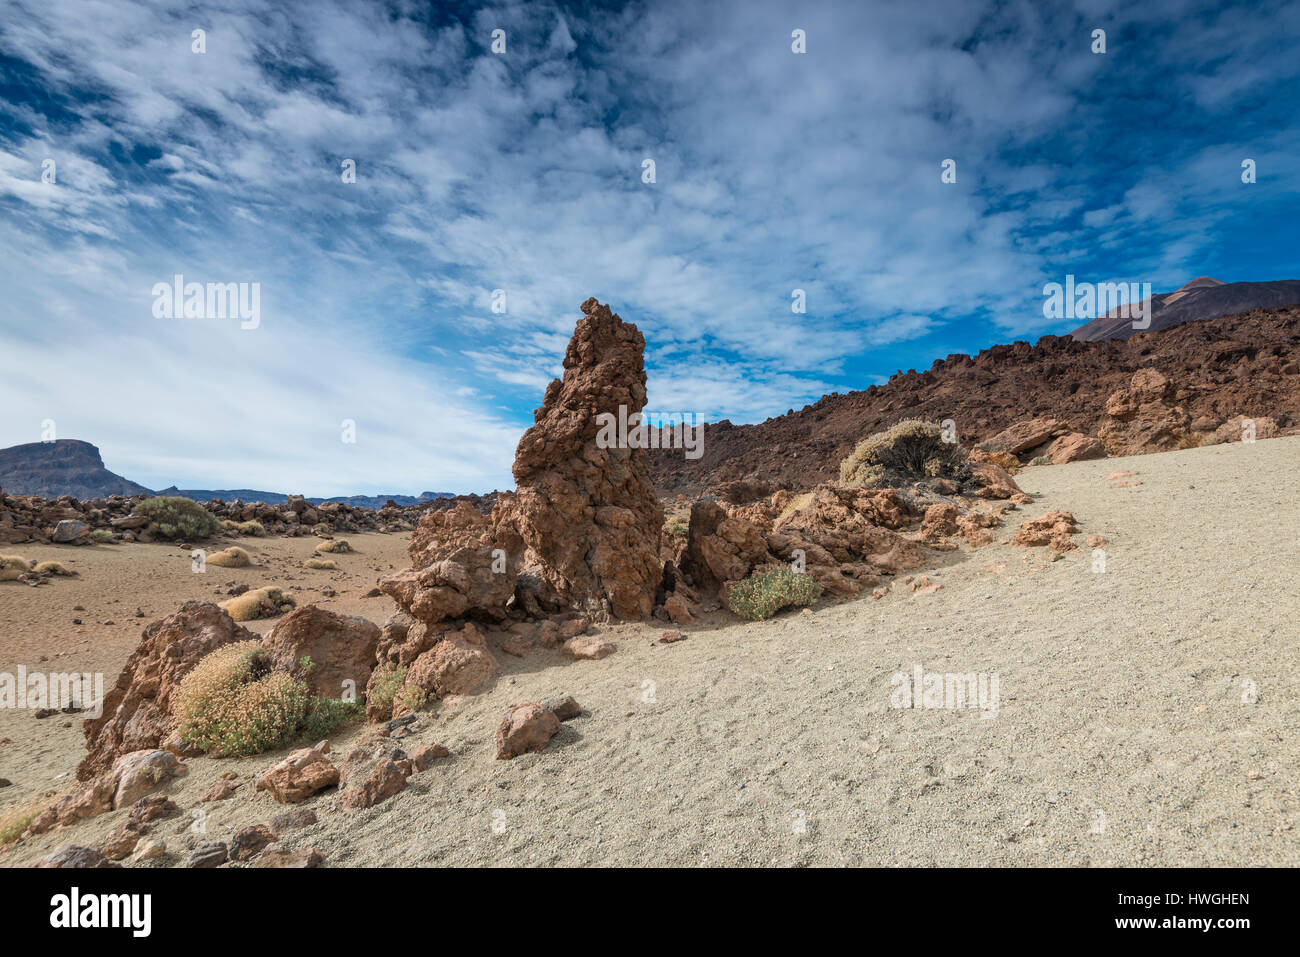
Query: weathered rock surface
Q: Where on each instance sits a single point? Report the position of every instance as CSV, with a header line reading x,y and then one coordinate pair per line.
x,y
300,775
341,649
137,711
585,508
526,727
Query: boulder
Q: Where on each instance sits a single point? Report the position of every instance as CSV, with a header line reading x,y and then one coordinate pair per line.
x,y
341,649
526,727
1237,428
279,857
458,664
137,711
74,856
248,842
300,775
586,649
1075,447
69,530
1055,529
387,778
1024,436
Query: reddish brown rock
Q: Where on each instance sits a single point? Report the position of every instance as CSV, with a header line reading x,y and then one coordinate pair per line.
x,y
458,664
248,842
387,778
219,791
282,858
1053,529
300,775
585,509
341,649
137,711
678,611
1024,436
422,758
291,820
1075,447
586,649
526,727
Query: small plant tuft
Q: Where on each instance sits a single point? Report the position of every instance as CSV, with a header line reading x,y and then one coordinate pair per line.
x,y
763,595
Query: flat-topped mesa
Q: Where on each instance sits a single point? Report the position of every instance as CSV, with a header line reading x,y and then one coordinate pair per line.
x,y
585,507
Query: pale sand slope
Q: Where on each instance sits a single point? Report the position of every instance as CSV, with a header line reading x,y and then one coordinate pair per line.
x,y
1121,711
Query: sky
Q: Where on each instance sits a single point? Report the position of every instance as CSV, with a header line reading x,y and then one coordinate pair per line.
x,y
429,302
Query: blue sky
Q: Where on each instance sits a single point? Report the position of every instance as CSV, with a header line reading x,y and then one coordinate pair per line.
x,y
522,171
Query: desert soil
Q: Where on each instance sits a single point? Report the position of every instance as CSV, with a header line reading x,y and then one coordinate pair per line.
x,y
1146,715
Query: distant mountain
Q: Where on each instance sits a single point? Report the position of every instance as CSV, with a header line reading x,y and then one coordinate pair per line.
x,y
62,467
72,467
279,498
1202,298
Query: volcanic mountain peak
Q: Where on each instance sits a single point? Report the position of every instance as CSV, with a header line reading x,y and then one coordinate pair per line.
x,y
61,467
1202,298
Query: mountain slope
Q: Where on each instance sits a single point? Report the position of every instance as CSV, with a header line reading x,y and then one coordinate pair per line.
x,y
1202,298
1247,364
63,467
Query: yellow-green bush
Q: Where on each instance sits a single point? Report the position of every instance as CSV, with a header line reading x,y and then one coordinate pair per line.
x,y
763,595
52,568
173,516
260,603
322,564
234,704
101,536
251,529
337,546
11,566
907,452
232,557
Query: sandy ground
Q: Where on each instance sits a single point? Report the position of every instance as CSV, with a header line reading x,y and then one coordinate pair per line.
x,y
1146,714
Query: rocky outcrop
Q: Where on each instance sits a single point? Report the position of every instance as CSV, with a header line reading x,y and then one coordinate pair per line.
x,y
1075,447
132,777
1024,436
1053,529
332,653
137,711
1142,416
585,508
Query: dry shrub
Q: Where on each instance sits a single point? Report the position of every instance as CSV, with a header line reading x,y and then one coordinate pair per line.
x,y
232,703
260,603
763,595
102,536
252,529
11,566
322,564
15,817
232,557
908,452
336,546
52,568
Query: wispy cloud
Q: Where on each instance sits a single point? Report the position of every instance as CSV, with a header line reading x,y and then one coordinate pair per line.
x,y
523,172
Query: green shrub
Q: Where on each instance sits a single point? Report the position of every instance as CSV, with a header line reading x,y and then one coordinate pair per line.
x,y
327,715
763,595
174,517
101,536
907,452
386,681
